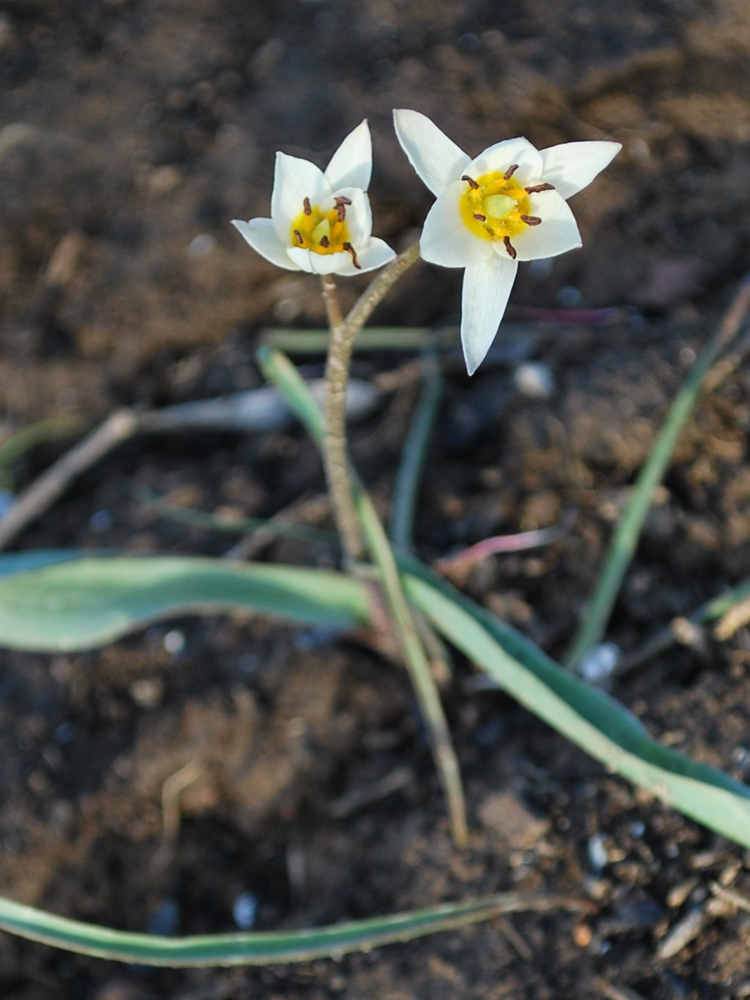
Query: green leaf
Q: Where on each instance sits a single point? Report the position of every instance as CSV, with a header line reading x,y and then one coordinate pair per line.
x,y
262,947
586,715
79,604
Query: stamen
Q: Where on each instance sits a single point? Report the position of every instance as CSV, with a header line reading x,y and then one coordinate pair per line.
x,y
531,220
471,182
539,187
510,248
353,253
510,171
324,242
298,234
341,202
306,204
480,217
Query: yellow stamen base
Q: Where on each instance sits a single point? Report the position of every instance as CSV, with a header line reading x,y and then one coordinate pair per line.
x,y
492,206
321,232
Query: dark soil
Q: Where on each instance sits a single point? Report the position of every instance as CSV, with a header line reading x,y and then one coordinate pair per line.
x,y
147,125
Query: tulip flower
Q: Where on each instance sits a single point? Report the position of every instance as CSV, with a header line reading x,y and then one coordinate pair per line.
x,y
321,220
506,205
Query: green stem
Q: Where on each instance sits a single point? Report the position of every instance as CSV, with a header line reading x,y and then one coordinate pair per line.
x,y
625,539
413,456
279,370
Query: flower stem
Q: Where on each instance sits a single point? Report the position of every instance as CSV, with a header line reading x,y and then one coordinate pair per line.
x,y
334,452
341,346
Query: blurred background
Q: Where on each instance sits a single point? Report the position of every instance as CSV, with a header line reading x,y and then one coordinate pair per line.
x,y
131,133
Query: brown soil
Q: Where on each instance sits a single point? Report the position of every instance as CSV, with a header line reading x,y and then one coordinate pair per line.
x,y
150,124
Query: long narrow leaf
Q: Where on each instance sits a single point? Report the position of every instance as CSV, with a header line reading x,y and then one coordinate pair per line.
x,y
290,383
587,716
80,604
412,458
262,947
625,539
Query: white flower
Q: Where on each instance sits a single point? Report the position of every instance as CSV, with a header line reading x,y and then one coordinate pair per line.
x,y
321,221
505,205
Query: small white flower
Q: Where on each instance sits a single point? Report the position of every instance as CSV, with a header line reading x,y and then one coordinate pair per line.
x,y
507,204
321,221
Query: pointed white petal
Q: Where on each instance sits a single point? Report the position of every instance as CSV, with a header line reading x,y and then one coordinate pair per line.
x,y
294,180
261,235
351,164
483,300
573,165
318,263
557,233
358,214
445,239
437,159
503,154
372,255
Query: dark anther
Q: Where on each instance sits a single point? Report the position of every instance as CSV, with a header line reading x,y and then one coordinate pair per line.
x,y
341,203
298,234
510,171
470,181
510,248
480,217
353,253
306,203
531,220
324,241
539,187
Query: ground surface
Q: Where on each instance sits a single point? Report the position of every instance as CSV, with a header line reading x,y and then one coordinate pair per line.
x,y
145,128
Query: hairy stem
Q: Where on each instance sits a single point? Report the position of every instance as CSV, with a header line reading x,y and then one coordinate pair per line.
x,y
341,346
334,452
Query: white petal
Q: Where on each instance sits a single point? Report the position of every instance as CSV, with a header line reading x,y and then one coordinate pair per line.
x,y
351,164
358,214
503,154
483,300
557,232
435,157
375,253
318,263
445,239
294,180
261,235
573,165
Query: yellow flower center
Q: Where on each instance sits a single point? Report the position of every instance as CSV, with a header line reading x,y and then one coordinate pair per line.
x,y
496,206
322,232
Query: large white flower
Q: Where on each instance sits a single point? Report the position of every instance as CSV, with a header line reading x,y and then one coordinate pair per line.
x,y
507,204
321,221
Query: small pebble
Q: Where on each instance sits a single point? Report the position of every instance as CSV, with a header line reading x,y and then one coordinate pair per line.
x,y
598,856
166,920
468,42
245,911
174,641
201,246
534,380
101,520
582,935
600,661
541,268
64,734
570,297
